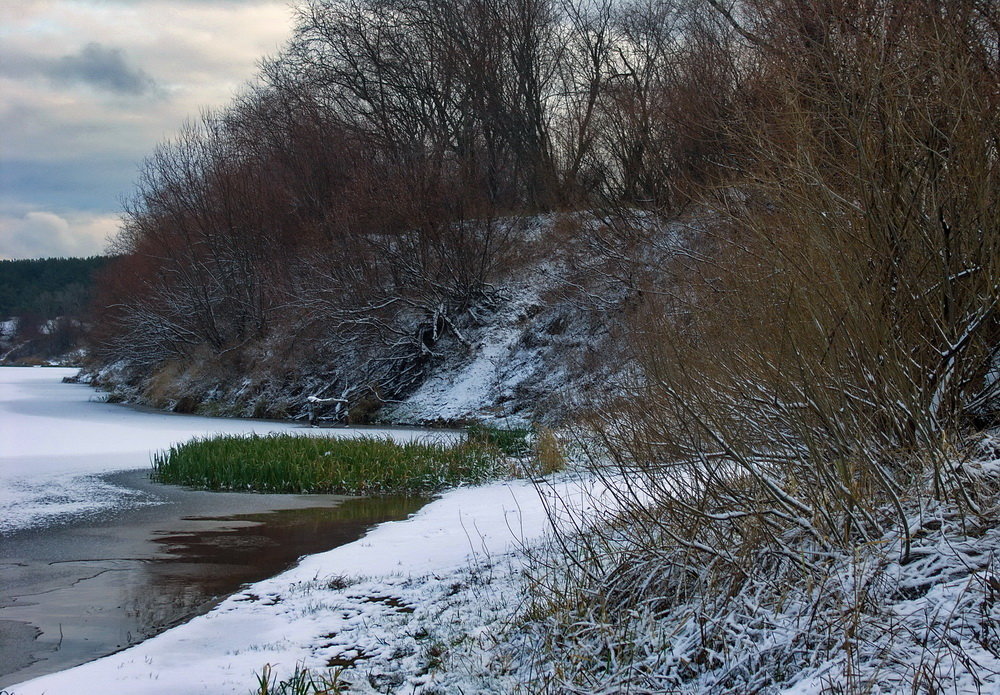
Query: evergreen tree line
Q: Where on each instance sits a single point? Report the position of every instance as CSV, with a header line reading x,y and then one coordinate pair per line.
x,y
48,288
49,301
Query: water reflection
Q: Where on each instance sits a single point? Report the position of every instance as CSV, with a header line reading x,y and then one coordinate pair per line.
x,y
98,601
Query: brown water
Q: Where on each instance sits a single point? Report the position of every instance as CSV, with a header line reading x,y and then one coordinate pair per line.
x,y
70,594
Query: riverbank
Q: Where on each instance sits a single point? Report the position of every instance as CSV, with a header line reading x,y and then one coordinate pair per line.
x,y
396,604
74,525
73,593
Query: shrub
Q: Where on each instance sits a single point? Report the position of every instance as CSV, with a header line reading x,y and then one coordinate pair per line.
x,y
802,398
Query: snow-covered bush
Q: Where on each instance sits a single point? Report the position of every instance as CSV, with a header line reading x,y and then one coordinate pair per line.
x,y
806,398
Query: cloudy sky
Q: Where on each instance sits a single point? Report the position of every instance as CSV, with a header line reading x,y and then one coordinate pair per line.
x,y
87,89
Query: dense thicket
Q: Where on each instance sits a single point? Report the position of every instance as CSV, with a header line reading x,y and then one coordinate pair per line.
x,y
808,390
848,306
367,191
370,186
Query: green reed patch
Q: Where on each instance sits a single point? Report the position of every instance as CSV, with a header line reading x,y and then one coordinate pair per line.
x,y
287,463
511,441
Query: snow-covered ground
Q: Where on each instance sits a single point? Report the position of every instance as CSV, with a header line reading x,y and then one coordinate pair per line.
x,y
393,604
436,604
520,361
56,438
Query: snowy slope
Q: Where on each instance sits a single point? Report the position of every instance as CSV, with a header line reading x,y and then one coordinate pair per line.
x,y
522,359
535,344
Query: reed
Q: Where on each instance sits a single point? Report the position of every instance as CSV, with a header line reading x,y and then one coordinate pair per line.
x,y
511,441
283,463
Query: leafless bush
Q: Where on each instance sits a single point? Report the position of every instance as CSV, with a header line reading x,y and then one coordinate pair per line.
x,y
845,327
804,395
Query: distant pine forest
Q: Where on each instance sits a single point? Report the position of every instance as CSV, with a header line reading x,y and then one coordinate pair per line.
x,y
46,308
49,287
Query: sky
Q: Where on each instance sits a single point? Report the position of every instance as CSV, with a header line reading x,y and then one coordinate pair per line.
x,y
87,90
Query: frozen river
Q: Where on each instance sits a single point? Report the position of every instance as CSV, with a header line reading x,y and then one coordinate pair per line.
x,y
94,557
401,588
56,441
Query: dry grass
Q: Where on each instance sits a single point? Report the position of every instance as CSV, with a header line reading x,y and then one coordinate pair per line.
x,y
549,452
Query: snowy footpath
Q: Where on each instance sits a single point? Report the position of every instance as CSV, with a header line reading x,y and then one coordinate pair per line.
x,y
386,612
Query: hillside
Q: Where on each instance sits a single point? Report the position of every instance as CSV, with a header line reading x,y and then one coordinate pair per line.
x,y
541,345
746,260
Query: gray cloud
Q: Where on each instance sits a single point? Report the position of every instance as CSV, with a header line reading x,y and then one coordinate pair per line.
x,y
104,68
88,88
40,234
95,65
